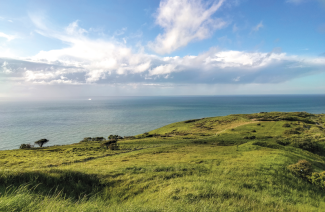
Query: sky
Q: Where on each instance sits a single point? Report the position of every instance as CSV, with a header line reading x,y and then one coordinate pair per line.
x,y
64,49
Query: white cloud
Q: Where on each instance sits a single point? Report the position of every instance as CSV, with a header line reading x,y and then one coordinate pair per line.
x,y
184,21
258,27
163,70
74,29
5,69
8,37
93,61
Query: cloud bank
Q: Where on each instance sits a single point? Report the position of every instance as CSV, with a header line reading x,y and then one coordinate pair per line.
x,y
91,61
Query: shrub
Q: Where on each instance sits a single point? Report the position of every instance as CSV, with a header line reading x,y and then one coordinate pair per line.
x,y
266,144
25,146
303,168
112,137
111,144
318,179
253,130
97,139
307,144
41,142
291,132
129,137
114,146
250,137
286,125
86,139
283,142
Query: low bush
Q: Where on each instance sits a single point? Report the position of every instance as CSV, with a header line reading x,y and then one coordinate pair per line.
x,y
303,169
286,125
250,137
306,144
318,179
115,137
114,146
25,146
267,144
97,139
111,144
283,142
291,132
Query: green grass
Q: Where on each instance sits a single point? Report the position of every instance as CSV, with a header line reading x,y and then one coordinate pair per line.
x,y
201,165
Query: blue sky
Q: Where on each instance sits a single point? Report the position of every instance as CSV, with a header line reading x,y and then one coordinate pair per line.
x,y
147,47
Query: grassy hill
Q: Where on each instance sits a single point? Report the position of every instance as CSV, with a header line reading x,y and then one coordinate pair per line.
x,y
245,162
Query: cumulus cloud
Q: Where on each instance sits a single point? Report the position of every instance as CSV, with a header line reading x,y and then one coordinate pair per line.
x,y
94,61
184,21
74,29
5,69
212,67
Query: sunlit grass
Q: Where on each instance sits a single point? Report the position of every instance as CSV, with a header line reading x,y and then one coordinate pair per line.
x,y
220,171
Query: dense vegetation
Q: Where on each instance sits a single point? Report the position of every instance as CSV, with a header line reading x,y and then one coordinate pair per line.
x,y
255,162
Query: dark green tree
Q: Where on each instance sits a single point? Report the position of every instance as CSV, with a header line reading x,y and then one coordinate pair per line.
x,y
41,142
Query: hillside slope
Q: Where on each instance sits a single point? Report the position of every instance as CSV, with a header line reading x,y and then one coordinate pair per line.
x,y
232,163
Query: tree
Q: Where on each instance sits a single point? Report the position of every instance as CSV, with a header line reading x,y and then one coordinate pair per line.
x,y
41,142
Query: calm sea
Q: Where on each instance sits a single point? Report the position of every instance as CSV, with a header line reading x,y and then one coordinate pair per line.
x,y
69,121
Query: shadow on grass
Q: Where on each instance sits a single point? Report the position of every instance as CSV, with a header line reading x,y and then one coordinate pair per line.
x,y
71,184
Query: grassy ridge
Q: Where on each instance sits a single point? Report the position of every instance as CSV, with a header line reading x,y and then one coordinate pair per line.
x,y
209,164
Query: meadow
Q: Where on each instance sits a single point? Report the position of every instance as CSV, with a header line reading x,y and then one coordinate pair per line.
x,y
232,163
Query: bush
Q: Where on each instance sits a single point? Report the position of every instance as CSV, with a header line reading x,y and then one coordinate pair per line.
x,y
114,146
112,137
253,130
286,125
283,142
307,144
111,144
129,137
97,139
25,146
291,132
303,168
250,137
86,139
318,179
266,144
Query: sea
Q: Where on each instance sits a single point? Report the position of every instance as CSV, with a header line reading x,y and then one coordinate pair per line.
x,y
69,121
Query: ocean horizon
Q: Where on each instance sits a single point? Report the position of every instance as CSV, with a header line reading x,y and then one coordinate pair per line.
x,y
69,121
